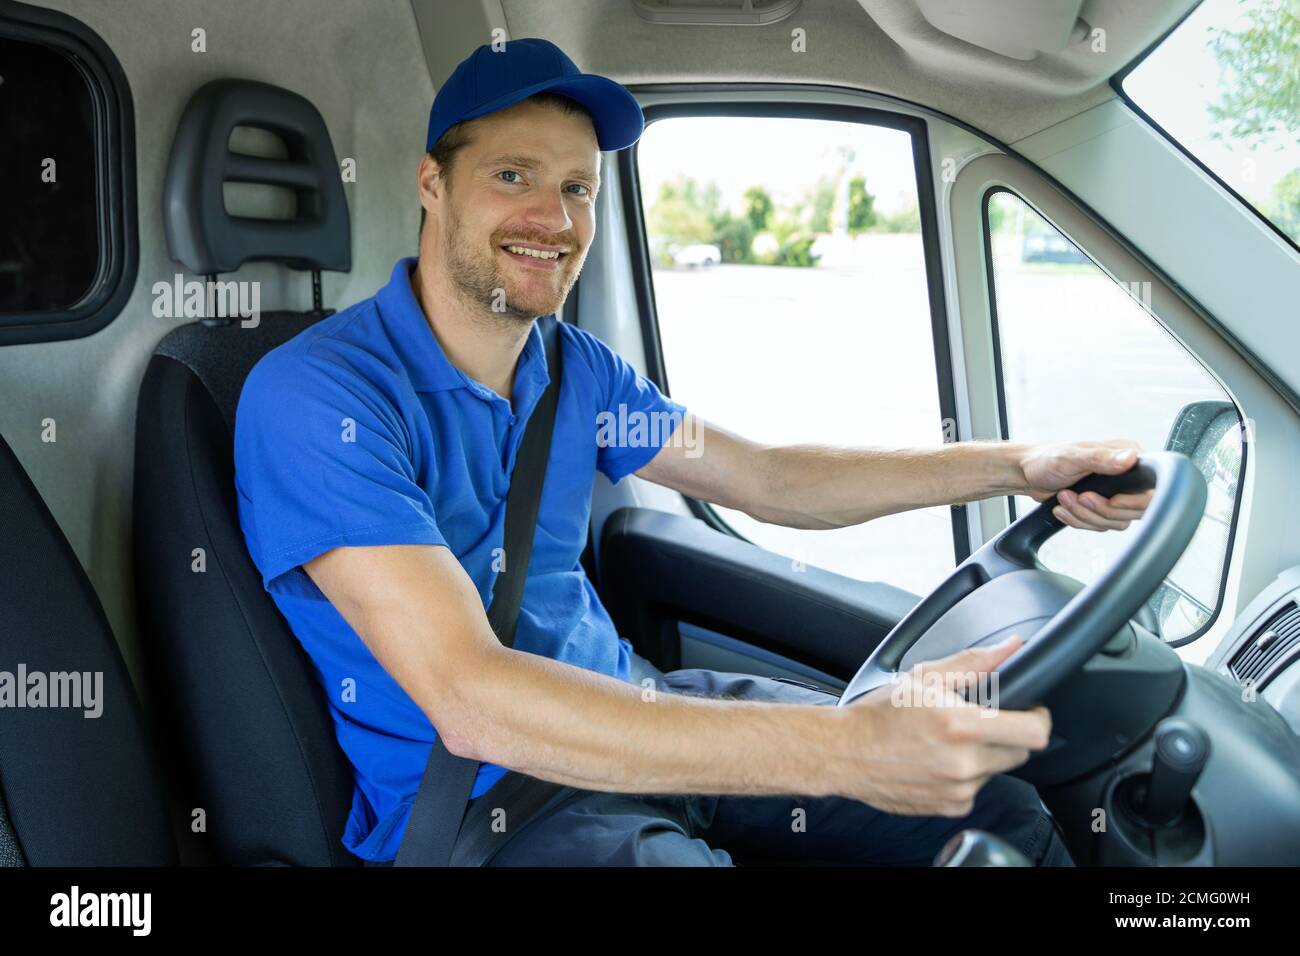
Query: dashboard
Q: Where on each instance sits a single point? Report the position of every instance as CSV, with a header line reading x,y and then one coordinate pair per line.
x,y
1261,651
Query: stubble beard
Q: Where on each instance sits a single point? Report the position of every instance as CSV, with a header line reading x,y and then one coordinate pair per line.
x,y
478,281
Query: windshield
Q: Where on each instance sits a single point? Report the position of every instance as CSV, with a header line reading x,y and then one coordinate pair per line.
x,y
1225,86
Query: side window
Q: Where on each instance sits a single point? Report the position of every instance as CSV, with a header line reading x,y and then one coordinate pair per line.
x,y
67,237
791,291
1082,357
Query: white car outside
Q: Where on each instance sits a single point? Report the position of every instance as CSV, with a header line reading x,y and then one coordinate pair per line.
x,y
698,254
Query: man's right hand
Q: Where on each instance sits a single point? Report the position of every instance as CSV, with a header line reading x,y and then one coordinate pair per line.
x,y
932,759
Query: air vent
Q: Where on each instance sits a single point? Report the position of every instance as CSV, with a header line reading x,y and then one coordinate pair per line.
x,y
730,13
1272,647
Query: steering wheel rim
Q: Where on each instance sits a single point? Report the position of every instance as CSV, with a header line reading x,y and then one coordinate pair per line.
x,y
1088,620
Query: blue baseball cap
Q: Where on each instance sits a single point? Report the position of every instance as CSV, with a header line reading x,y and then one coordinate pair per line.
x,y
490,80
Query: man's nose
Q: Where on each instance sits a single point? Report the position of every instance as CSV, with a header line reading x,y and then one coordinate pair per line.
x,y
547,211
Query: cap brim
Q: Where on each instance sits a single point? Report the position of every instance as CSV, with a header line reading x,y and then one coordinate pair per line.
x,y
615,112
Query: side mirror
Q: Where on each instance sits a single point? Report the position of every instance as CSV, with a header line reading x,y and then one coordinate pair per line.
x,y
1209,434
1199,427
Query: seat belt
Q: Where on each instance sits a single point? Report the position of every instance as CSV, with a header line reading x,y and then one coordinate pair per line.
x,y
439,808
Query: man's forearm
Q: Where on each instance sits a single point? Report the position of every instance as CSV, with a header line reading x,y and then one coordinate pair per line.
x,y
818,487
576,727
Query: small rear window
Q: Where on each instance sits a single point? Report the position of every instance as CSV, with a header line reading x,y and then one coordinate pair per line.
x,y
69,247
49,242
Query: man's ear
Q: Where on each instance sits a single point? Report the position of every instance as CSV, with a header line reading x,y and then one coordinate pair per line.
x,y
432,183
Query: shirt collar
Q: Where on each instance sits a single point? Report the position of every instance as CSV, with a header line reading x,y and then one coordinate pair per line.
x,y
427,364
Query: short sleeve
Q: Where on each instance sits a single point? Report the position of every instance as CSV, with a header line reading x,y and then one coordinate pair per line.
x,y
322,460
635,419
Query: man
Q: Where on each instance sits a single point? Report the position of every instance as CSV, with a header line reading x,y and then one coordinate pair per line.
x,y
373,457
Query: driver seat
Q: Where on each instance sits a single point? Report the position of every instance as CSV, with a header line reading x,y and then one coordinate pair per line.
x,y
248,718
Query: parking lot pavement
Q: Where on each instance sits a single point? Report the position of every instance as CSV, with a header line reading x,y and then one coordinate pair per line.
x,y
845,356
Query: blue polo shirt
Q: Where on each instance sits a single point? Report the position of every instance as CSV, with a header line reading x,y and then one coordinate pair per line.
x,y
360,431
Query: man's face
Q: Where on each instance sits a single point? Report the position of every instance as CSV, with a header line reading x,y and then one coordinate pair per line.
x,y
519,212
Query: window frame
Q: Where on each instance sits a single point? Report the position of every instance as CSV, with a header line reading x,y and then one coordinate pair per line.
x,y
1117,84
115,177
1004,422
639,250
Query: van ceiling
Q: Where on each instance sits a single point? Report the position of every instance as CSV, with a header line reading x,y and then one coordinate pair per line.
x,y
886,46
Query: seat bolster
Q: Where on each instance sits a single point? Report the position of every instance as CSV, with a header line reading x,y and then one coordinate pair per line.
x,y
251,723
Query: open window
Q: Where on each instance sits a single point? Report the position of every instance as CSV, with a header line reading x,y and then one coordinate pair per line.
x,y
794,296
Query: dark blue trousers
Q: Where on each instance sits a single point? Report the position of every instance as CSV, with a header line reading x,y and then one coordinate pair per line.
x,y
594,828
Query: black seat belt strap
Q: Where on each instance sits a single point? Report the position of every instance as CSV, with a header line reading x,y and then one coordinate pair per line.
x,y
448,780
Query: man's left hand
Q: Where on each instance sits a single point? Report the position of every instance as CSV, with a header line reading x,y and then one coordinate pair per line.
x,y
1050,469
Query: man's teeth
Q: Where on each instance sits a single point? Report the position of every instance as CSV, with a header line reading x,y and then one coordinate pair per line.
x,y
535,253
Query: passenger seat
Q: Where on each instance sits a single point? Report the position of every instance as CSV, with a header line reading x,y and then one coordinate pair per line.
x,y
79,785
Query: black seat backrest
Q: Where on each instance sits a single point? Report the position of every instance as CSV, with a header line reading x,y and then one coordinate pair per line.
x,y
79,785
249,717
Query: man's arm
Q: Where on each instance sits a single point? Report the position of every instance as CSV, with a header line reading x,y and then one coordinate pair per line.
x,y
418,612
820,487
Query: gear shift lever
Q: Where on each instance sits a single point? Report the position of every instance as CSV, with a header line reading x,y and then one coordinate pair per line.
x,y
979,848
1181,750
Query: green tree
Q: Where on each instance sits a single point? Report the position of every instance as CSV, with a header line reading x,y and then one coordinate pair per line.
x,y
734,237
997,215
1284,207
797,251
819,202
758,208
710,198
907,219
1261,67
682,213
862,206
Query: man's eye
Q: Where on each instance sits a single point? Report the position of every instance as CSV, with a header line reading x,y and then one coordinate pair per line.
x,y
510,172
585,190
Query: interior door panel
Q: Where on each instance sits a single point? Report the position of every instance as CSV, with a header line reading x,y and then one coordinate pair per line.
x,y
658,570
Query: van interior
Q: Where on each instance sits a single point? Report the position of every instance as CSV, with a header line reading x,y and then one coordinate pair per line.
x,y
926,221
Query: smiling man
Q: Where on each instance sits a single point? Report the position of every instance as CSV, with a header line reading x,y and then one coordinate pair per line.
x,y
374,454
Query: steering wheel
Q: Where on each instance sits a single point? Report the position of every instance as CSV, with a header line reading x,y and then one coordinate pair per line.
x,y
1003,589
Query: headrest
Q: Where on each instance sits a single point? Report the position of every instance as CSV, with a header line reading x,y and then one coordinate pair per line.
x,y
202,234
